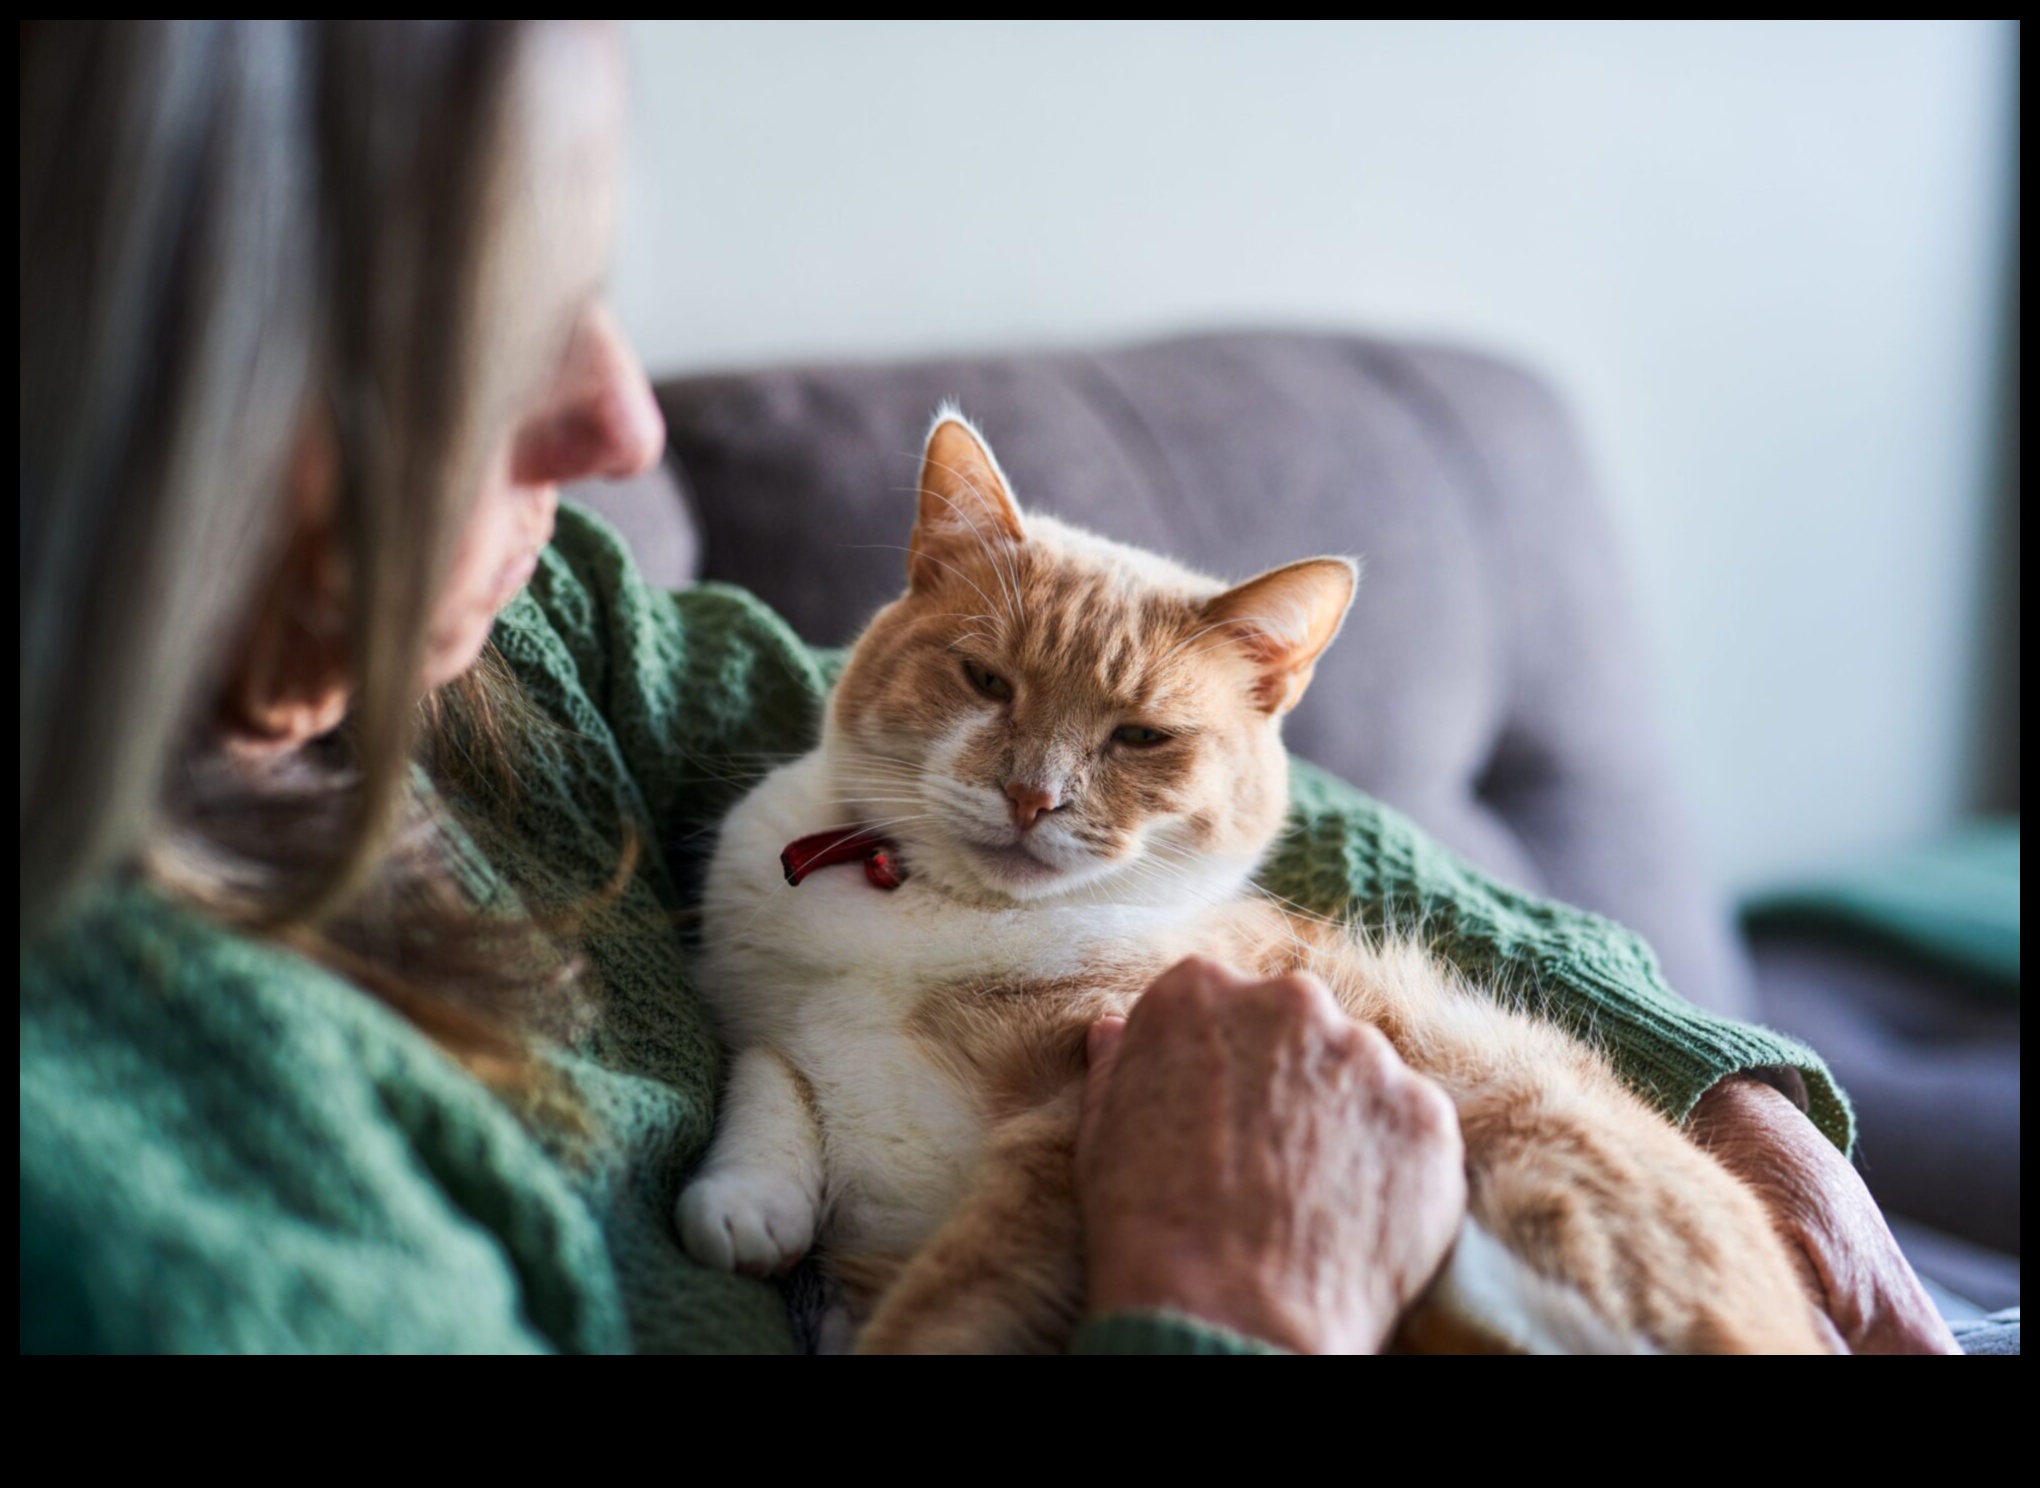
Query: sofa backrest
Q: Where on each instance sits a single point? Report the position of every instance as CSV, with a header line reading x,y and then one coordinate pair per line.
x,y
1488,682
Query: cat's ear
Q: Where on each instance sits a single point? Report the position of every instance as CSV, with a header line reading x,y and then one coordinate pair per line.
x,y
966,504
1284,620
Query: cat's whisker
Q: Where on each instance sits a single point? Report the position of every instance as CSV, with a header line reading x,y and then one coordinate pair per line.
x,y
913,785
977,632
1163,661
876,768
983,542
1243,628
880,791
1007,571
952,568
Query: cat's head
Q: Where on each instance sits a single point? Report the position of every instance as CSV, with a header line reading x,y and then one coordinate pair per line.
x,y
1045,713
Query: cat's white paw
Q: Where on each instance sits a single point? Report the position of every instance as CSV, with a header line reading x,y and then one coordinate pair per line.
x,y
746,1220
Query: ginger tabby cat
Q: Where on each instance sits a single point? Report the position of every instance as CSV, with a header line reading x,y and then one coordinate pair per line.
x,y
1073,749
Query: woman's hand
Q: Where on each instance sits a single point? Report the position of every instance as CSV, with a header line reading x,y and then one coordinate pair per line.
x,y
1846,1253
1252,1157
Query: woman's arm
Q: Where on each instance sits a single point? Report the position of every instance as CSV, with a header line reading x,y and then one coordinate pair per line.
x,y
1348,855
1848,1258
225,1148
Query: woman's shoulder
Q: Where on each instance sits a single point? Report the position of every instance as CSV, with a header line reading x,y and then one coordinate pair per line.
x,y
588,583
679,694
224,1146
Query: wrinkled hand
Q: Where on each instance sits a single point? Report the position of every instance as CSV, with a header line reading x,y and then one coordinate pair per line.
x,y
1847,1257
1252,1157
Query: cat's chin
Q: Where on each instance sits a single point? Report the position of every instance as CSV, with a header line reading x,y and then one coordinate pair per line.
x,y
1015,871
992,876
1014,861
1011,875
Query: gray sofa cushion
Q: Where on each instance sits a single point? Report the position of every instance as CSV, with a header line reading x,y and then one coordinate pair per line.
x,y
1933,1071
654,516
1487,682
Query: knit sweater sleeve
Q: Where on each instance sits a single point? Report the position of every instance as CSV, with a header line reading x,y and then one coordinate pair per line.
x,y
1162,1333
225,1148
1346,854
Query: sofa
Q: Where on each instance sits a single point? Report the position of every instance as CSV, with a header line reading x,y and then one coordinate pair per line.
x,y
1489,682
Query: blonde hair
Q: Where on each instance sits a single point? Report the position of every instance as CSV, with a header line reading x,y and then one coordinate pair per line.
x,y
225,227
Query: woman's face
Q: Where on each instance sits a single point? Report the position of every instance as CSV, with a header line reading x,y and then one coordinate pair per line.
x,y
567,401
591,414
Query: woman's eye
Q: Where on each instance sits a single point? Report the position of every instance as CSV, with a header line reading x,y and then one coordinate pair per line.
x,y
1139,735
990,683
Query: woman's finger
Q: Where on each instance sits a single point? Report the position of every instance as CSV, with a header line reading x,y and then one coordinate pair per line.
x,y
1101,1048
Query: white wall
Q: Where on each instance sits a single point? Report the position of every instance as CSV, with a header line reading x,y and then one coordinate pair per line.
x,y
1760,258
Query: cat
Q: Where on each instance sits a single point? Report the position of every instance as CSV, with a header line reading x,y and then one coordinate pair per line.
x,y
1072,751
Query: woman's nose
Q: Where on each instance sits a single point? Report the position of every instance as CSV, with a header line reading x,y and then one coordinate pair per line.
x,y
602,422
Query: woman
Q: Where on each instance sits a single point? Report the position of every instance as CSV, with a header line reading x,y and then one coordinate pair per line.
x,y
353,1012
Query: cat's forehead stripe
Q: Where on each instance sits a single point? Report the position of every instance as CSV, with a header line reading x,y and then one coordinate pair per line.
x,y
1110,625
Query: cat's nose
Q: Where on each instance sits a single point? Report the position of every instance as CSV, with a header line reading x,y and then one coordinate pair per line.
x,y
1030,802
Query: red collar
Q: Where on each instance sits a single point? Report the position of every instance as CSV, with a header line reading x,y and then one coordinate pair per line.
x,y
845,845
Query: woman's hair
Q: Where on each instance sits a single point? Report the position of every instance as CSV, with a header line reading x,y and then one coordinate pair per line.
x,y
230,230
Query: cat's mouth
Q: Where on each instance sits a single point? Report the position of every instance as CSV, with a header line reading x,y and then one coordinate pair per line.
x,y
1014,863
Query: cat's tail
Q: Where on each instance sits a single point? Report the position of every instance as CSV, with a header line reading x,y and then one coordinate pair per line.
x,y
1596,1225
1487,1301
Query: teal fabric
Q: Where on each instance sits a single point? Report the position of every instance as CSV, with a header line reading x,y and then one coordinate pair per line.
x,y
226,1147
1952,903
1162,1333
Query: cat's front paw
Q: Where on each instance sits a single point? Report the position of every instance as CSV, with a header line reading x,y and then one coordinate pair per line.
x,y
746,1220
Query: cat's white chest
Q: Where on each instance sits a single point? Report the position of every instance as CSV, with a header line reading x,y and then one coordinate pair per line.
x,y
831,972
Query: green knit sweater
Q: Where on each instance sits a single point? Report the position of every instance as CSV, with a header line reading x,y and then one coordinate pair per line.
x,y
226,1147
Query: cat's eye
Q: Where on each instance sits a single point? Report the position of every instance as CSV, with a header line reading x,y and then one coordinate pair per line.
x,y
1139,735
988,682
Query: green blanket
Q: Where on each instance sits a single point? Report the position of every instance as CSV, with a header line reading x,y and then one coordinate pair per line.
x,y
225,1147
1952,903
